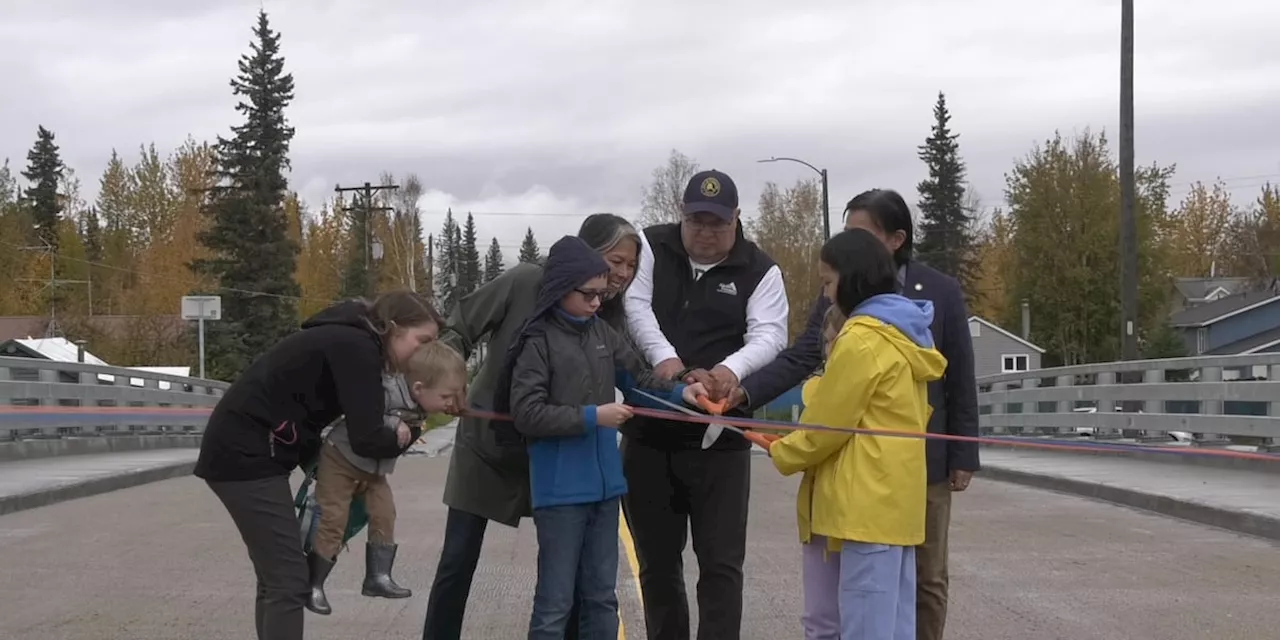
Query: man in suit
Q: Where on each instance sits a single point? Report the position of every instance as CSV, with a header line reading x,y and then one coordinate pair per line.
x,y
954,398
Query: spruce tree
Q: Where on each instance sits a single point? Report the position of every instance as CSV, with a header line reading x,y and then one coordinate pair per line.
x,y
446,271
492,262
455,248
421,270
947,241
44,171
529,251
91,231
91,235
469,259
252,258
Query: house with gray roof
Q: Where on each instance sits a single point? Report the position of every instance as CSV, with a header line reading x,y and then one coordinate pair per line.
x,y
1193,292
1240,323
996,350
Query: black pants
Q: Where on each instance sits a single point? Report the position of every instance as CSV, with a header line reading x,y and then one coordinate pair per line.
x,y
263,512
459,555
672,492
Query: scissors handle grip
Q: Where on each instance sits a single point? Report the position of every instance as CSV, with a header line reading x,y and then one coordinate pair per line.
x,y
713,408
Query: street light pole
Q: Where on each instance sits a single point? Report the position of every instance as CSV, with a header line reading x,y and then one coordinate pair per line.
x,y
826,203
826,207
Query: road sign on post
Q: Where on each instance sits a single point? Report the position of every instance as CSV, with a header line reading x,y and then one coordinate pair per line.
x,y
201,308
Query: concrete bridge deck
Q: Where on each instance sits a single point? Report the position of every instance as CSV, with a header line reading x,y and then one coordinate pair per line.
x,y
162,561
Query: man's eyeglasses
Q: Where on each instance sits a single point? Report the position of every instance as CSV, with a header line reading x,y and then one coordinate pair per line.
x,y
708,224
590,296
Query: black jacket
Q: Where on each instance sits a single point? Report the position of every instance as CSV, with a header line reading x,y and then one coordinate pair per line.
x,y
270,420
705,320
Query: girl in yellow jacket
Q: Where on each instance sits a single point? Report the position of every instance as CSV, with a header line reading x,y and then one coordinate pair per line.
x,y
862,502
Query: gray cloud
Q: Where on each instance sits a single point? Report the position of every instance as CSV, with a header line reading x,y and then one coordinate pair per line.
x,y
561,108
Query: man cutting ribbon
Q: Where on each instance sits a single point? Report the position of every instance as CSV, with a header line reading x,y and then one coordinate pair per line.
x,y
719,314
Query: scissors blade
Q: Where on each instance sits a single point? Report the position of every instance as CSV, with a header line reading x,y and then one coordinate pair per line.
x,y
712,434
713,430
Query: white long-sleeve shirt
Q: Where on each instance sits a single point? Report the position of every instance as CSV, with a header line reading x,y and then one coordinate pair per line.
x,y
767,312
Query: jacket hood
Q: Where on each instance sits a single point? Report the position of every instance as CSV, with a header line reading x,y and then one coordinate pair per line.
x,y
352,313
570,264
913,338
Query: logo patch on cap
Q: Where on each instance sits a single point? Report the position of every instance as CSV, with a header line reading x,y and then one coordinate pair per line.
x,y
710,187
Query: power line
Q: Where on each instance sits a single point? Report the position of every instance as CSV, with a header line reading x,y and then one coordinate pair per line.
x,y
1225,181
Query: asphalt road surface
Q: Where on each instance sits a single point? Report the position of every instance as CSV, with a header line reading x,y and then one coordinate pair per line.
x,y
163,562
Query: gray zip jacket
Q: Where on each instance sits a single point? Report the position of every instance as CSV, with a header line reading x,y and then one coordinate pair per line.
x,y
399,407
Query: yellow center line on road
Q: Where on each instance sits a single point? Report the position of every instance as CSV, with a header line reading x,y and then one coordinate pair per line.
x,y
629,545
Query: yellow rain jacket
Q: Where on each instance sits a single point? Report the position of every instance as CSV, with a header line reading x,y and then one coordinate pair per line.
x,y
858,487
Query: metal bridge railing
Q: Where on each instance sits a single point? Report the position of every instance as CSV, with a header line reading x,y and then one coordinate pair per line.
x,y
49,399
1208,399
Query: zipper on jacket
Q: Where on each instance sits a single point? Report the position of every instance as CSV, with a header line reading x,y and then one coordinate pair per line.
x,y
604,483
271,444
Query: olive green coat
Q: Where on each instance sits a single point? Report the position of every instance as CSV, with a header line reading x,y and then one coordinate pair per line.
x,y
486,479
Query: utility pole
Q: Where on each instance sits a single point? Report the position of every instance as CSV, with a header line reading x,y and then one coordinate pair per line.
x,y
1128,217
431,266
52,330
369,244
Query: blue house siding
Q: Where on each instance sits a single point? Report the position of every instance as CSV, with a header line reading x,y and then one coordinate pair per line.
x,y
1241,326
1239,333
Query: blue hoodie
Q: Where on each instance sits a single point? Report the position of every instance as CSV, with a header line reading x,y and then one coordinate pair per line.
x,y
911,317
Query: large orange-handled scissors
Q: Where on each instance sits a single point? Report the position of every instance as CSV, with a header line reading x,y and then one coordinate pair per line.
x,y
713,430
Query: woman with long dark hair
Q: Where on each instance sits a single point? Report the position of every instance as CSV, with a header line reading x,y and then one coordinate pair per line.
x,y
488,476
954,399
269,423
861,504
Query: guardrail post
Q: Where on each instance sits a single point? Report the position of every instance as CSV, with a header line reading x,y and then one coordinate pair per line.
x,y
1150,377
997,406
1104,379
1210,407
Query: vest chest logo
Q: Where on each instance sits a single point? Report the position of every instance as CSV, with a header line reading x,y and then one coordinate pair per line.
x,y
727,288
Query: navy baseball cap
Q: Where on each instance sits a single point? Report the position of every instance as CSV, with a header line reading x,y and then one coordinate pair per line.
x,y
711,192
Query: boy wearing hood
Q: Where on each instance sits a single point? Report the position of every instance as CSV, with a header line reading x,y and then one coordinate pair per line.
x,y
862,506
564,367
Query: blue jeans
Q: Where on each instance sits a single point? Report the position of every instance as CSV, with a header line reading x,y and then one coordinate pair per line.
x,y
577,547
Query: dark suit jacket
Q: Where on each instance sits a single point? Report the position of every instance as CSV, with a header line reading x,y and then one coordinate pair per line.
x,y
954,398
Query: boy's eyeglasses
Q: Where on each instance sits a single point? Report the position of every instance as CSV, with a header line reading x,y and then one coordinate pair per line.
x,y
590,296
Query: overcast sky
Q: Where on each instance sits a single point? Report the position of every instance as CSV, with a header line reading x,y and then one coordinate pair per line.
x,y
561,108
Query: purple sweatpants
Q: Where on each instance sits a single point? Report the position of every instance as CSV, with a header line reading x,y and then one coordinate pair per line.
x,y
863,592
